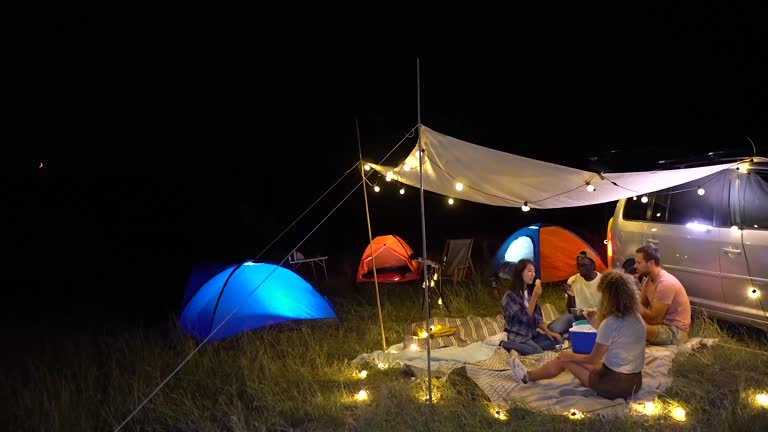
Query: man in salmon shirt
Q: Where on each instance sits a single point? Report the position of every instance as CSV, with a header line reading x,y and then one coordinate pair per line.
x,y
664,303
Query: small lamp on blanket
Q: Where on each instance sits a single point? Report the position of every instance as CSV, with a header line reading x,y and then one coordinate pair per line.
x,y
415,343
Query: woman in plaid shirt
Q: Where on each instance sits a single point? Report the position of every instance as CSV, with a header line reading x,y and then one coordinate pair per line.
x,y
522,314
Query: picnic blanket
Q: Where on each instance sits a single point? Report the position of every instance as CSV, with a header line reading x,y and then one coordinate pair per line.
x,y
489,366
564,392
468,330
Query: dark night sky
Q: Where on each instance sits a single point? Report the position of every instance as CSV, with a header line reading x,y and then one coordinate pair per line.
x,y
168,141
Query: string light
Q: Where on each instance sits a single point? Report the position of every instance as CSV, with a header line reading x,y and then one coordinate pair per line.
x,y
575,414
389,176
498,413
634,198
440,301
450,201
590,187
753,292
361,395
402,191
525,207
407,167
363,374
367,167
701,191
376,188
734,228
761,399
459,186
678,414
647,408
644,199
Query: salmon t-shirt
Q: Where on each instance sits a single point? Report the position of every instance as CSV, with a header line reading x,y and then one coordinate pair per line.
x,y
670,291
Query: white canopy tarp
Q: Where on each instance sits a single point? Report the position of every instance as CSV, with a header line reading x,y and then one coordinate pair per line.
x,y
502,179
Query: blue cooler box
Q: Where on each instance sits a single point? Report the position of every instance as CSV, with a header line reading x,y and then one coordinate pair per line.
x,y
583,338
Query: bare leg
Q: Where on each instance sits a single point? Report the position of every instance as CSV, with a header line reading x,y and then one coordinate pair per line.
x,y
580,371
554,367
550,369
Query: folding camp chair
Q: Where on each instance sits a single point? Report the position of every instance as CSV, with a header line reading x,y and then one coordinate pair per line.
x,y
297,258
457,260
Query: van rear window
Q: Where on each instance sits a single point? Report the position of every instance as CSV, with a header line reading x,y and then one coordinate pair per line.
x,y
754,200
634,209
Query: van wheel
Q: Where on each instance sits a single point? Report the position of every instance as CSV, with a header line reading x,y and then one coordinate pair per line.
x,y
629,266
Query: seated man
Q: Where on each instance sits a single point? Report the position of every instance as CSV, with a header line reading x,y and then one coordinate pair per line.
x,y
582,286
664,304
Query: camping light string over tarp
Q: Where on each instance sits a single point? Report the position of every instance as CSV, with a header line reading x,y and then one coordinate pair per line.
x,y
239,305
601,176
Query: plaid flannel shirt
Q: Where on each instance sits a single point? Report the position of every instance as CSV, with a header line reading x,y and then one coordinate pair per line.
x,y
519,326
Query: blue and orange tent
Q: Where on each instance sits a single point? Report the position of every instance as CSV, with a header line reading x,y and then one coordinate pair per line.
x,y
552,249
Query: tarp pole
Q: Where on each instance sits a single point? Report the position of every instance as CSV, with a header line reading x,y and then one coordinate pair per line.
x,y
370,237
422,161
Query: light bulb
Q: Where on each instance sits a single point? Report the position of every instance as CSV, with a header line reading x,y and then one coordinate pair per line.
x,y
753,292
407,167
575,414
363,373
440,301
762,399
361,395
450,201
701,191
590,187
644,199
435,276
367,167
658,214
414,347
389,176
734,228
525,207
459,186
678,414
376,188
402,191
634,198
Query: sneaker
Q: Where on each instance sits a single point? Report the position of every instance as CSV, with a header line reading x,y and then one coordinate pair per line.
x,y
519,370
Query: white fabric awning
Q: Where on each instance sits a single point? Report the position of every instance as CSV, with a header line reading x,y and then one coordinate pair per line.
x,y
502,179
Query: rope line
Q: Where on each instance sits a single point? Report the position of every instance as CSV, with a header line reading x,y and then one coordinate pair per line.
x,y
239,305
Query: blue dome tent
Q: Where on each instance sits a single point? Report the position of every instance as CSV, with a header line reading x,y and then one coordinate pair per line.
x,y
282,296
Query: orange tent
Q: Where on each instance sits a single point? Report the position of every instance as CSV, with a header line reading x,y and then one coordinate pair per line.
x,y
553,250
393,262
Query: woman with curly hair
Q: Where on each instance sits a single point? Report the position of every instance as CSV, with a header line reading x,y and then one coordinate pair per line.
x,y
614,367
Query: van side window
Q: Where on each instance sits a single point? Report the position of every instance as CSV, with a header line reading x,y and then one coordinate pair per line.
x,y
754,200
660,206
688,206
634,209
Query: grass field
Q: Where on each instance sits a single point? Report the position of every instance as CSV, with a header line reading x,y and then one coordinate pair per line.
x,y
301,378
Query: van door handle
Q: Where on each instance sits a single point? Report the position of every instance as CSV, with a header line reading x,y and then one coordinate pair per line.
x,y
732,251
653,241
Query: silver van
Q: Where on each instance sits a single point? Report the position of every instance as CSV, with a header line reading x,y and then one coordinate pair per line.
x,y
712,234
